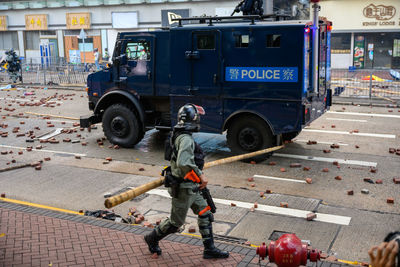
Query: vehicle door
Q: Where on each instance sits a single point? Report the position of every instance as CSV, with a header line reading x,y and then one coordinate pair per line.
x,y
206,76
137,71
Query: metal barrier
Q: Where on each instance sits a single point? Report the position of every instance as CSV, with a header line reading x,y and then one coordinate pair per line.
x,y
363,83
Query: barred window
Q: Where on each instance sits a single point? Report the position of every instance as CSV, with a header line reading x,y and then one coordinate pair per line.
x,y
8,40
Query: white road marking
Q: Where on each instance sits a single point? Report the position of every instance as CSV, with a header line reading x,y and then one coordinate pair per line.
x,y
321,217
45,150
337,119
279,179
340,161
349,133
365,114
321,142
51,134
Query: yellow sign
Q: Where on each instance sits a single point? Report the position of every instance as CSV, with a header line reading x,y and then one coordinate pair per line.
x,y
77,21
3,23
35,22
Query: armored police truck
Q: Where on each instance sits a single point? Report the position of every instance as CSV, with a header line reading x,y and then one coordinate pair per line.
x,y
260,80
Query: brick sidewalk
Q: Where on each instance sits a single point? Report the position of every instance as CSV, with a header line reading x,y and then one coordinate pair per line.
x,y
39,237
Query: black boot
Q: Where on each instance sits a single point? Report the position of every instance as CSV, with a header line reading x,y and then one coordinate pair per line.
x,y
152,241
211,252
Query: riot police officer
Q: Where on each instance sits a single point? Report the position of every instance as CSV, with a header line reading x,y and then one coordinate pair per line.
x,y
13,65
184,178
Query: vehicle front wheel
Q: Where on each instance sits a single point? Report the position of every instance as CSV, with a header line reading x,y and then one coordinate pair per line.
x,y
249,134
121,126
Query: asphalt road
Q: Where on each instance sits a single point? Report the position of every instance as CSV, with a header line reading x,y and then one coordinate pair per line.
x,y
346,225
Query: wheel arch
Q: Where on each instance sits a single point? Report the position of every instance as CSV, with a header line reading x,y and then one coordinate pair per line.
x,y
242,113
120,96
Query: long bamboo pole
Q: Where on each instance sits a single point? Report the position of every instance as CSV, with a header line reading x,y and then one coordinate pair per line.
x,y
134,192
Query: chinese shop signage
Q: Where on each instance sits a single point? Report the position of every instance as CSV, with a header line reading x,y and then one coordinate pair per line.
x,y
35,22
76,21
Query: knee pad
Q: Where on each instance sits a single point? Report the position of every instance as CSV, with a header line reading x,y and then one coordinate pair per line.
x,y
208,215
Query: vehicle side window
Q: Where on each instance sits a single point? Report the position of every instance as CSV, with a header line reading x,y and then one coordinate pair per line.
x,y
273,40
206,41
242,40
139,50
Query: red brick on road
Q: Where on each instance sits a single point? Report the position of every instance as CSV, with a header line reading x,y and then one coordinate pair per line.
x,y
39,240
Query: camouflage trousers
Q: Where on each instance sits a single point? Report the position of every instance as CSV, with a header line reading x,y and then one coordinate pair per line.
x,y
180,207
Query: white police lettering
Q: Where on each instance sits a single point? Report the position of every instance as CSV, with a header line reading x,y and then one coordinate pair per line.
x,y
288,74
234,74
261,74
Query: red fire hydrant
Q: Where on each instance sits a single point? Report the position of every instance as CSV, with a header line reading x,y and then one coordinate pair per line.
x,y
288,251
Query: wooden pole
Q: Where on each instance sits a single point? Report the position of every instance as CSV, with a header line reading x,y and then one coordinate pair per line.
x,y
134,192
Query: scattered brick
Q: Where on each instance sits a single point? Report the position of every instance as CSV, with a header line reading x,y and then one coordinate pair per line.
x,y
50,125
116,146
373,170
295,165
355,131
338,177
39,147
21,122
379,181
323,255
66,140
75,124
20,152
368,180
390,200
148,224
106,162
284,204
47,159
255,205
335,163
306,168
268,191
308,180
38,167
253,162
333,126
83,143
396,180
247,243
325,170
141,169
192,229
272,163
250,179
233,205
100,143
77,157
357,146
158,222
327,151
53,141
331,258
252,209
283,170
262,194
154,256
350,192
13,161
4,152
335,146
311,142
311,216
365,191
29,149
253,185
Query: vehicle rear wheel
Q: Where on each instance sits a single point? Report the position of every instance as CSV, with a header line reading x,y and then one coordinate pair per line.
x,y
121,126
249,134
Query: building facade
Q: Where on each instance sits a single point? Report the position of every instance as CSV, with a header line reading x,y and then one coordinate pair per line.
x,y
53,29
366,34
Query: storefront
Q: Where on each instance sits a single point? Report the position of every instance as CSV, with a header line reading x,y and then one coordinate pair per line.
x,y
365,34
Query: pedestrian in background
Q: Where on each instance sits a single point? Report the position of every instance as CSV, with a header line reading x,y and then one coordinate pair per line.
x,y
96,58
106,56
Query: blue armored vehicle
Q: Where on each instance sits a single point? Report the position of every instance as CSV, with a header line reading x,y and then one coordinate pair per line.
x,y
260,80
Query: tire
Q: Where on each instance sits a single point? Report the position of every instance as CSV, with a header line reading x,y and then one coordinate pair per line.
x,y
289,136
121,126
250,134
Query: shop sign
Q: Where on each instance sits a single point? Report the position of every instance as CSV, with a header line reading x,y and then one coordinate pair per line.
x,y
76,21
380,14
35,22
359,48
168,16
3,23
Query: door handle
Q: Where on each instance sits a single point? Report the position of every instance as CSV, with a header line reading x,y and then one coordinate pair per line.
x,y
215,78
149,75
